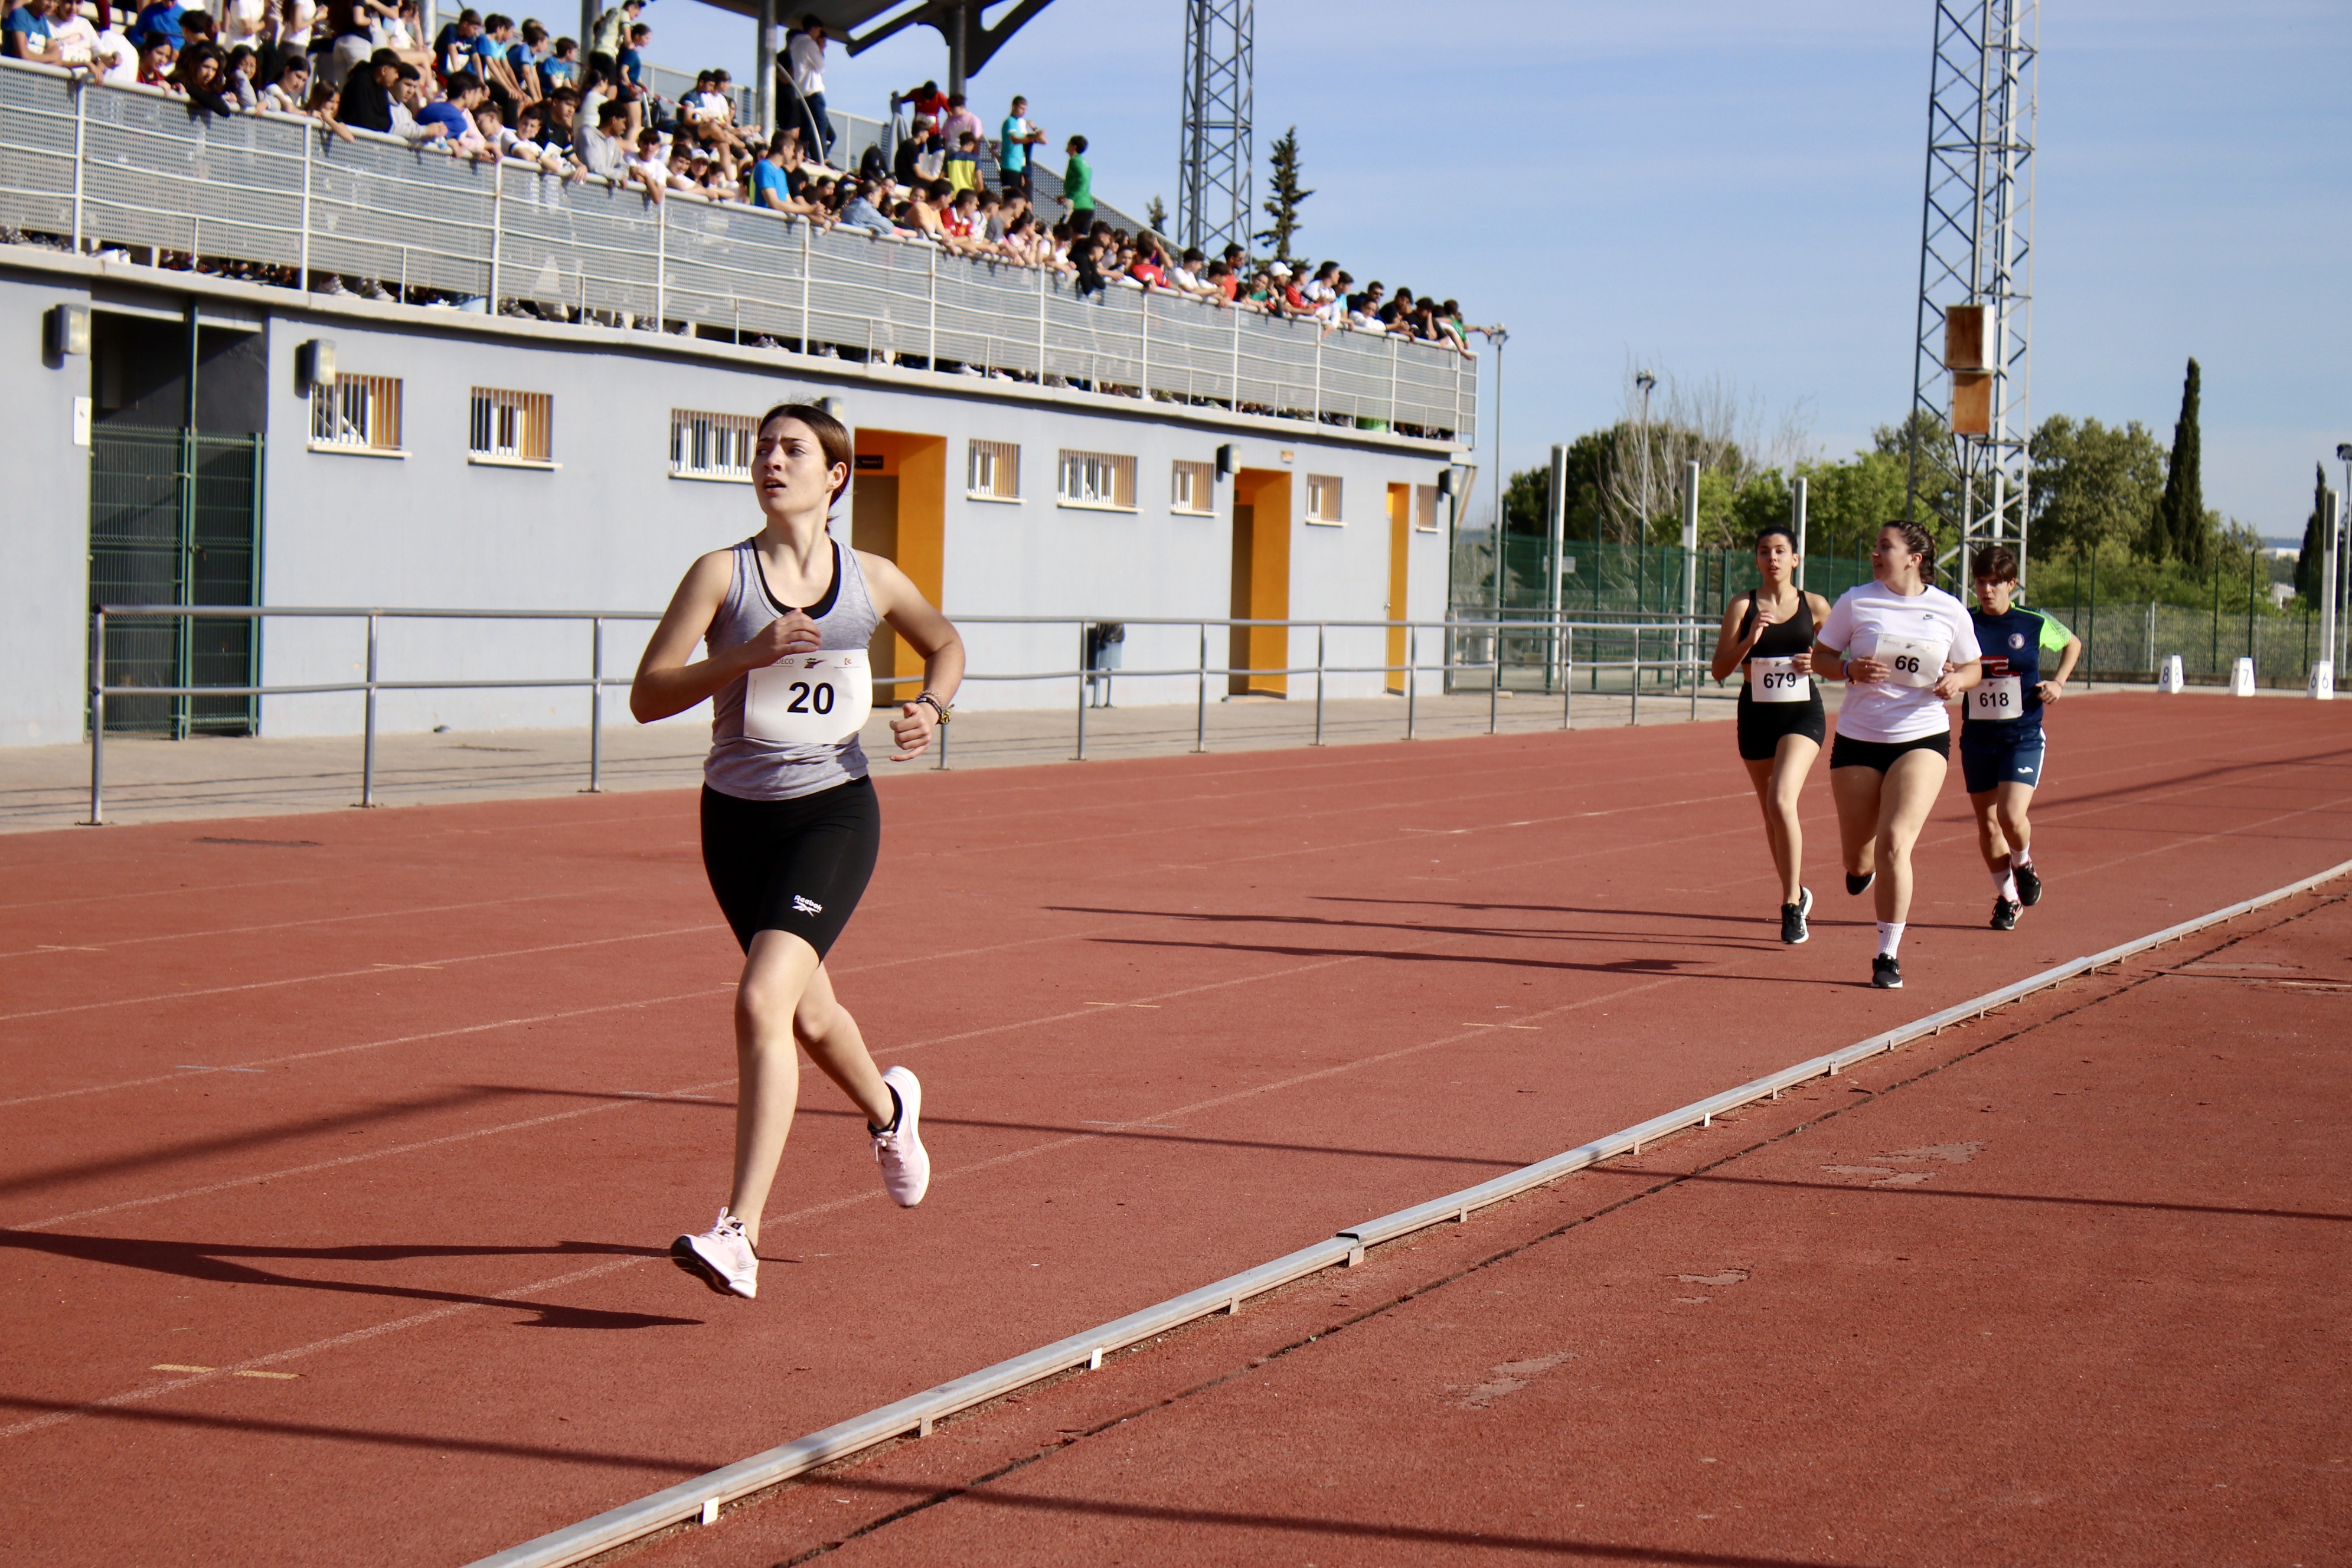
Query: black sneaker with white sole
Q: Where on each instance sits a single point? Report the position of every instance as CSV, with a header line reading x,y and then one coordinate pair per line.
x,y
1792,917
2005,912
1885,973
1854,884
2029,886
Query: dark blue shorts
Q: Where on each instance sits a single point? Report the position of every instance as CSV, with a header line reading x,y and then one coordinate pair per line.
x,y
1995,754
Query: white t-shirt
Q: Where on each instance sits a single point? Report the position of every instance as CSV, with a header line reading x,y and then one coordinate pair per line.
x,y
1863,624
806,58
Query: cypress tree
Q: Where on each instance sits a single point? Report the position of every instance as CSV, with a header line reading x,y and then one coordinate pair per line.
x,y
1282,206
2181,530
2312,559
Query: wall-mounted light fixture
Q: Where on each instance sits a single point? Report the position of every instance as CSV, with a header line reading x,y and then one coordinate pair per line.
x,y
314,363
67,331
1225,457
1445,480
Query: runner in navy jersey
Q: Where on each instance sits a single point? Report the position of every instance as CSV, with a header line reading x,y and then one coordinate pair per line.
x,y
2001,742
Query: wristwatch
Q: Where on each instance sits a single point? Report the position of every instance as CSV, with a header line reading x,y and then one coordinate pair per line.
x,y
944,712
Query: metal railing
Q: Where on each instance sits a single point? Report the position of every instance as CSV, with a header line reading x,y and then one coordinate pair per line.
x,y
1678,656
102,166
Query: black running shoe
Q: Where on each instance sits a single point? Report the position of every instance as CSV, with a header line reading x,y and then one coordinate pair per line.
x,y
1792,917
1885,973
1855,884
2004,913
2029,886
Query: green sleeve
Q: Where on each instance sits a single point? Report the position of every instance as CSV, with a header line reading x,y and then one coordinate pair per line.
x,y
2055,635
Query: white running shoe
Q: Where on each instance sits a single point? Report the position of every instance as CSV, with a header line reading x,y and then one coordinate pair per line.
x,y
722,1257
906,1169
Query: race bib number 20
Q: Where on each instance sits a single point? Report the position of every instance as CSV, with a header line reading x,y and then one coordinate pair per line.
x,y
809,699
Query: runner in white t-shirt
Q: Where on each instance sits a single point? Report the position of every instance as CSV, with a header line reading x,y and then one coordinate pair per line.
x,y
1912,648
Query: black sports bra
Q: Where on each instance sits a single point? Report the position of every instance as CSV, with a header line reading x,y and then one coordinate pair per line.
x,y
1781,638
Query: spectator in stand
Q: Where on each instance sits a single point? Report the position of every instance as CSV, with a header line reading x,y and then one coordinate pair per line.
x,y
290,92
1085,260
494,67
963,163
1150,268
1078,187
408,99
74,36
861,213
159,18
1363,309
453,45
253,23
562,69
531,141
562,107
603,146
350,31
527,58
365,101
770,187
1013,147
157,60
927,102
805,56
649,168
959,120
631,69
237,81
710,112
611,32
30,37
113,59
455,113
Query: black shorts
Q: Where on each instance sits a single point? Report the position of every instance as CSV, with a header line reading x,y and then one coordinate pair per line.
x,y
1761,725
797,866
1846,752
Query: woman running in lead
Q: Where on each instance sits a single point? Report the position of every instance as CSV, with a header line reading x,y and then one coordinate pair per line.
x,y
1905,647
1770,631
2001,727
790,826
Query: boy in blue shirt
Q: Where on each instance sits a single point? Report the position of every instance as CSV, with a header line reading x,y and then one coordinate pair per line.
x,y
2002,744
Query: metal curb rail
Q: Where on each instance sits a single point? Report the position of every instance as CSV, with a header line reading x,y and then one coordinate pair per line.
x,y
704,1495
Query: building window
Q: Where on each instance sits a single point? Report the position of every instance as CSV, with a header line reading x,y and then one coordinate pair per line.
x,y
711,445
1322,498
1424,507
1102,480
358,414
514,427
1193,489
994,472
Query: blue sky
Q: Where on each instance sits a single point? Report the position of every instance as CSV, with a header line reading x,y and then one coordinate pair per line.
x,y
1733,190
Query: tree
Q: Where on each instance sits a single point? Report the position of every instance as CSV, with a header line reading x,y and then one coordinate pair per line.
x,y
1282,206
2094,486
1155,216
2180,529
1847,504
2311,562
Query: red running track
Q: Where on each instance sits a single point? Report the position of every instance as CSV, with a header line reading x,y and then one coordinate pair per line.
x,y
1173,1018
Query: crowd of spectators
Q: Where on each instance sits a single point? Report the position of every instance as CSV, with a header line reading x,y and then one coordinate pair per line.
x,y
487,88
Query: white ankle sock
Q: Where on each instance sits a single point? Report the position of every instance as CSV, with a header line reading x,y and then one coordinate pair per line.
x,y
2022,856
2005,881
1890,938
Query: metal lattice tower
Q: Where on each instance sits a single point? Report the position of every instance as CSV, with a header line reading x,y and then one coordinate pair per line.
x,y
1976,249
1214,170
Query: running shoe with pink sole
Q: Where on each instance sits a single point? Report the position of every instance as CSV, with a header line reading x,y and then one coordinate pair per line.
x,y
905,1168
722,1257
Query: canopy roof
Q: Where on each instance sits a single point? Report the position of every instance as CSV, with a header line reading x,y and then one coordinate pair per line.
x,y
859,24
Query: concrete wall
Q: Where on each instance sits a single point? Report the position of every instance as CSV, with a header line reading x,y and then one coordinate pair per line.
x,y
45,540
608,528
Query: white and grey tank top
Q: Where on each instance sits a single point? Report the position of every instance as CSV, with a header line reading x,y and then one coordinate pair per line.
x,y
751,769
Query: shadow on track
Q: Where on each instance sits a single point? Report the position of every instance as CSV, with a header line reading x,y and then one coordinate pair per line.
x,y
214,1262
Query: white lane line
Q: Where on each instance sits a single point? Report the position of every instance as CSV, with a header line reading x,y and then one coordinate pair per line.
x,y
360,1159
253,1368
320,920
371,969
201,890
259,1064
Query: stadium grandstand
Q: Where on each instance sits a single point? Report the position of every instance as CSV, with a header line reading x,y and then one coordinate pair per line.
x,y
407,330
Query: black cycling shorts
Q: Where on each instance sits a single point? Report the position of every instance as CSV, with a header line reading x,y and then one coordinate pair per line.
x,y
1761,725
797,866
1846,752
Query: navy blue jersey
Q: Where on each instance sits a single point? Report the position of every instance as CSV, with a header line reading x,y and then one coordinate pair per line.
x,y
2009,700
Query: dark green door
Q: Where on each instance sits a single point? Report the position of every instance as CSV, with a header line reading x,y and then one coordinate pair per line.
x,y
175,519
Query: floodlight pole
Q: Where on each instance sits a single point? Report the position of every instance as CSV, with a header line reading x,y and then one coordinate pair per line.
x,y
763,71
1797,521
2339,539
1498,336
1213,176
